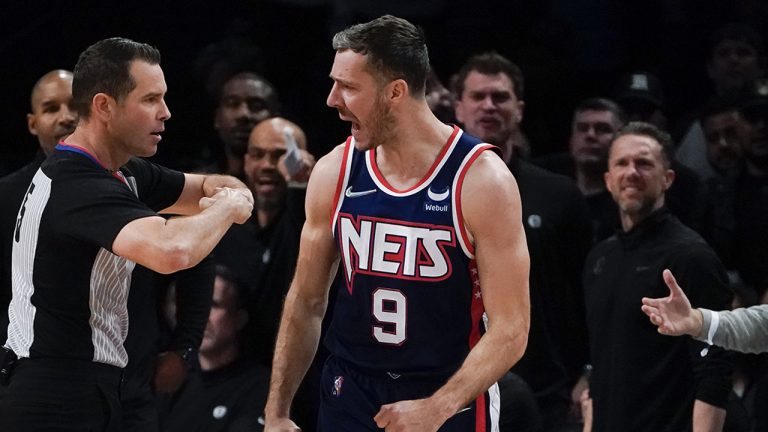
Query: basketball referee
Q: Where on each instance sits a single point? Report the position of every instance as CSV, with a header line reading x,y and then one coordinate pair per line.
x,y
89,214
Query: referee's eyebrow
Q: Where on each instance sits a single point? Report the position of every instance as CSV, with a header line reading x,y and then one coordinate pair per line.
x,y
154,95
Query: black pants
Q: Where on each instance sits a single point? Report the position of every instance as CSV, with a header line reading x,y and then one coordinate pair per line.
x,y
62,395
139,410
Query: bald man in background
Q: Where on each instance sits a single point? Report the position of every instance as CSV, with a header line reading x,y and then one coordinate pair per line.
x,y
51,120
263,251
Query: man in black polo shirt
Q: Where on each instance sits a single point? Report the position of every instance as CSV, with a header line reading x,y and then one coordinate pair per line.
x,y
89,214
641,380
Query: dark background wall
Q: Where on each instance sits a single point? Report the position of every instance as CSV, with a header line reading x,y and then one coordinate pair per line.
x,y
568,49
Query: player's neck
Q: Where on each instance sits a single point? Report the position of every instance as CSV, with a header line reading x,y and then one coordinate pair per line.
x,y
417,132
406,159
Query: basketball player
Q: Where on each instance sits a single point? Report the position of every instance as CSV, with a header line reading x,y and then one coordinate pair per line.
x,y
407,211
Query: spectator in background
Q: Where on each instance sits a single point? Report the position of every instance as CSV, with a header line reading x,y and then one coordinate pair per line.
x,y
439,98
726,133
641,96
228,391
595,122
244,100
161,354
263,251
642,381
489,103
736,60
734,219
51,119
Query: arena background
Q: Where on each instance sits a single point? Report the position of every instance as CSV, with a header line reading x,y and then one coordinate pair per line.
x,y
568,49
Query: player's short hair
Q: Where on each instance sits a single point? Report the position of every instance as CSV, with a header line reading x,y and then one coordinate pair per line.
x,y
395,49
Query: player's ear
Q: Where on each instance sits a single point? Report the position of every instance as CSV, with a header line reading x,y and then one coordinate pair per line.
x,y
398,89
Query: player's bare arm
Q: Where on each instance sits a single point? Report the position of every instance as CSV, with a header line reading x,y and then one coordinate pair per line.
x,y
307,297
170,245
198,186
489,195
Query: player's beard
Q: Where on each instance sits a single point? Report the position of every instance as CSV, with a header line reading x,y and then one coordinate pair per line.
x,y
382,123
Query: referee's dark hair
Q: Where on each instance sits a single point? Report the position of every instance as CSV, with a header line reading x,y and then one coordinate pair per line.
x,y
104,67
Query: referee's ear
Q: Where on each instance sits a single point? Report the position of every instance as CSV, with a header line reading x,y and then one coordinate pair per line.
x,y
103,106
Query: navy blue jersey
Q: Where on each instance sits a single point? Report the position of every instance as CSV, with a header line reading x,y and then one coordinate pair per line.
x,y
409,297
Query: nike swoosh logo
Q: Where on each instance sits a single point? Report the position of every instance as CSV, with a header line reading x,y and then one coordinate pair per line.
x,y
437,196
350,194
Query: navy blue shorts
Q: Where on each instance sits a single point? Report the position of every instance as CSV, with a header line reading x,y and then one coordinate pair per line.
x,y
350,398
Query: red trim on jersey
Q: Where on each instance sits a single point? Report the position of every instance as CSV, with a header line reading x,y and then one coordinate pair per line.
x,y
457,194
477,308
340,182
476,319
480,413
443,151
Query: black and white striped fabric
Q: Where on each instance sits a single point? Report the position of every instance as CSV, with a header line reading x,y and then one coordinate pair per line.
x,y
69,290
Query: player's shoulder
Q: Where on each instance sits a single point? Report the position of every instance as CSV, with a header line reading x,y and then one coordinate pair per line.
x,y
325,176
331,162
489,170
